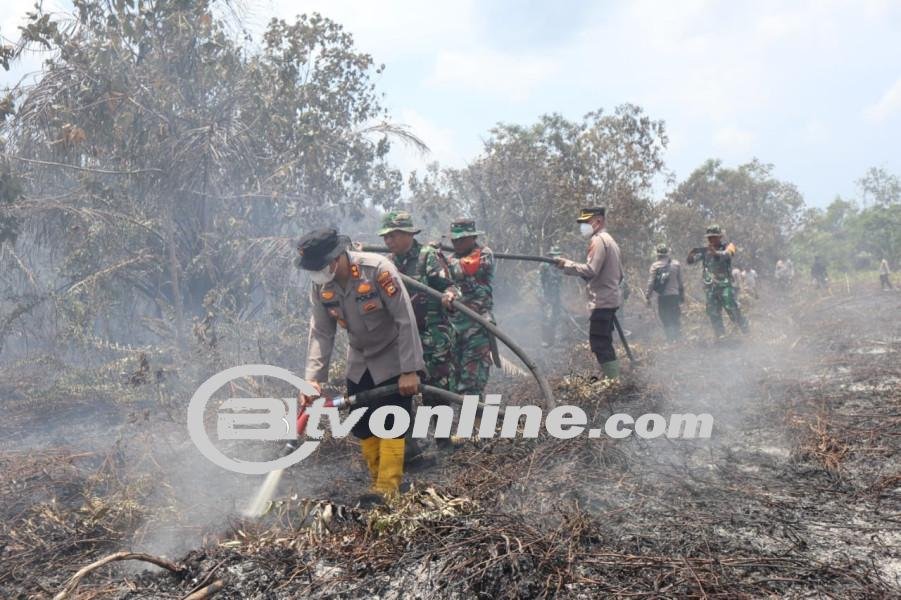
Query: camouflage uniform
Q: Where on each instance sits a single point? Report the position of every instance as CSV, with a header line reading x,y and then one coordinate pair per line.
x,y
427,264
473,275
717,277
551,280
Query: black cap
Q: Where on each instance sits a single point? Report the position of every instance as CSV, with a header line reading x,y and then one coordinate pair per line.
x,y
588,213
318,248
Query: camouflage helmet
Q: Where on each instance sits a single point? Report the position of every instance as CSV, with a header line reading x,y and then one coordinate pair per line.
x,y
713,231
554,251
662,250
397,220
462,228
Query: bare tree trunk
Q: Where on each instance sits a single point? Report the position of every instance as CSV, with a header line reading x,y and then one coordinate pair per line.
x,y
169,232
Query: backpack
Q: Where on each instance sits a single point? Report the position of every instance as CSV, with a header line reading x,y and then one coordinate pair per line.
x,y
661,276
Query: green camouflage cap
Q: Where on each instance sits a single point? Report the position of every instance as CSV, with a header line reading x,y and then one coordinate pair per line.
x,y
462,228
397,220
713,230
662,250
554,251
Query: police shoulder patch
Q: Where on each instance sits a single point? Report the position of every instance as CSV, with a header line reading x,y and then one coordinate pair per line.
x,y
327,294
368,259
386,280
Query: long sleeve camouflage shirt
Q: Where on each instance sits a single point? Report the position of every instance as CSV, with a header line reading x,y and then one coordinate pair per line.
x,y
427,265
717,263
473,275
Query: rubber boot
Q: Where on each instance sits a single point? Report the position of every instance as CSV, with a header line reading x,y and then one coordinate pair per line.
x,y
391,466
610,369
370,447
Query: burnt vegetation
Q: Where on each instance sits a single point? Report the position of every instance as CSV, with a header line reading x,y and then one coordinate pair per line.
x,y
153,178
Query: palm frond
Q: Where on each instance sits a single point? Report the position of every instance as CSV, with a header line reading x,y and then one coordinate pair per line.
x,y
399,131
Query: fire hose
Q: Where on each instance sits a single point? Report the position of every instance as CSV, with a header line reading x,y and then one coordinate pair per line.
x,y
259,505
622,338
369,396
525,257
492,328
502,255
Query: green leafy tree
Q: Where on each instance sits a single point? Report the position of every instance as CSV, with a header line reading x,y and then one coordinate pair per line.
x,y
167,164
848,236
759,212
529,182
879,187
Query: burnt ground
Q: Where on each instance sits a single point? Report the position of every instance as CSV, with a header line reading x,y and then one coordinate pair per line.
x,y
796,494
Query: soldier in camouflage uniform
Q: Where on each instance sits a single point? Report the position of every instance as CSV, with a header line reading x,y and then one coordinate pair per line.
x,y
472,269
426,264
717,276
551,280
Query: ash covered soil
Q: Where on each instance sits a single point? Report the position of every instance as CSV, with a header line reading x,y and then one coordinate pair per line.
x,y
796,494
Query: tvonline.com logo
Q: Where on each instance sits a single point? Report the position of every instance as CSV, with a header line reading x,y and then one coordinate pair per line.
x,y
275,419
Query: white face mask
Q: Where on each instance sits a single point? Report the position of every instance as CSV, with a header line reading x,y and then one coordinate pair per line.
x,y
322,276
586,229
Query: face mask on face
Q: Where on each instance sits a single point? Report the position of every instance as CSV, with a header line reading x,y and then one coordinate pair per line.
x,y
322,276
586,229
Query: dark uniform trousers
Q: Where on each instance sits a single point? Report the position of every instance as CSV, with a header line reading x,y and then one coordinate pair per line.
x,y
668,307
600,334
361,429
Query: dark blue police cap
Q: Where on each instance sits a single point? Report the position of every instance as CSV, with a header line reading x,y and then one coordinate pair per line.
x,y
320,247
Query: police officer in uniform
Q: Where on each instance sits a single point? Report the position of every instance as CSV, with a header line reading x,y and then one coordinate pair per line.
x,y
362,293
602,272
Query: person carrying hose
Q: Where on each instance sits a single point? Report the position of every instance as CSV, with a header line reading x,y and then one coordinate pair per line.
x,y
362,293
472,269
426,264
602,272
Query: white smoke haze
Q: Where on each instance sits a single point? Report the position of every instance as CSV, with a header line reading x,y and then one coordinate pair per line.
x,y
158,164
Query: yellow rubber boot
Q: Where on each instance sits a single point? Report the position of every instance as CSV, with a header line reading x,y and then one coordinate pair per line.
x,y
370,447
391,466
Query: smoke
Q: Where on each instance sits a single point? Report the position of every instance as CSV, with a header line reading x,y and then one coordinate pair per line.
x,y
737,381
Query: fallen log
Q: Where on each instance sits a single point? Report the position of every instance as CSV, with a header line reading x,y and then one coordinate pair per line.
x,y
75,580
207,592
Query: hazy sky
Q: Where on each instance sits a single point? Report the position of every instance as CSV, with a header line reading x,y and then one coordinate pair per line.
x,y
813,87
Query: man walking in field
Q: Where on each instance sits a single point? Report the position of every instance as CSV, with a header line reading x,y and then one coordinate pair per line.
x,y
884,273
666,280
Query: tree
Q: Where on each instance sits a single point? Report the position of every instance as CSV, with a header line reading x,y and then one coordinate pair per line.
x,y
758,212
527,185
849,237
166,164
855,233
879,187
